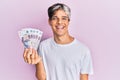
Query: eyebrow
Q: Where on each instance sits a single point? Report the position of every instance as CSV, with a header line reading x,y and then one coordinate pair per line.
x,y
62,16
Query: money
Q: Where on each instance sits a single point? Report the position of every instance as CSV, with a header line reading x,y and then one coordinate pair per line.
x,y
30,37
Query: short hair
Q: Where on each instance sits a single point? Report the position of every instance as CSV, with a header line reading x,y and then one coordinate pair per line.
x,y
58,6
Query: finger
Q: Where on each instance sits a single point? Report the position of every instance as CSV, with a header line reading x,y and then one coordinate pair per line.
x,y
33,56
37,57
25,52
29,53
25,55
36,54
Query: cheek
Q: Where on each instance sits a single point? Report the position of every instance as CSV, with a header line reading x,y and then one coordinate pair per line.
x,y
67,24
52,24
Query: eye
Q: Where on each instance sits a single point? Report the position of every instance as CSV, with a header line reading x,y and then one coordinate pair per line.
x,y
65,18
54,18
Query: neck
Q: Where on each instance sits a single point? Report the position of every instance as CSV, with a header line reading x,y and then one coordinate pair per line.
x,y
65,39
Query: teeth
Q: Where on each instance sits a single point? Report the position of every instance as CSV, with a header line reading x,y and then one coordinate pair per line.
x,y
59,27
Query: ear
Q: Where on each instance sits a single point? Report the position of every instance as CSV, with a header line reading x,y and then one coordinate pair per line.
x,y
49,22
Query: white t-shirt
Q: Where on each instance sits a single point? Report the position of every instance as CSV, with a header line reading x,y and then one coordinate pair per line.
x,y
65,62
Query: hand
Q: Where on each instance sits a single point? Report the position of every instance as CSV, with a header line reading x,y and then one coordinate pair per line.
x,y
31,56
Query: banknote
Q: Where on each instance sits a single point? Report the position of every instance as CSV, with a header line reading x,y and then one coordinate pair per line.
x,y
30,37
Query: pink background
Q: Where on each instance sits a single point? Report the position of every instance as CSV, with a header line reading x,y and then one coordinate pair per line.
x,y
95,22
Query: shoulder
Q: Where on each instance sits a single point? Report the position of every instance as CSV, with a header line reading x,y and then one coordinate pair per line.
x,y
81,44
83,47
46,42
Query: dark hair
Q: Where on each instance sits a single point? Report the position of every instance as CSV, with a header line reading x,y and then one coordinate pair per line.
x,y
58,6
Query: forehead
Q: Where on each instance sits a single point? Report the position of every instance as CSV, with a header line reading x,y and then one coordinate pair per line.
x,y
60,13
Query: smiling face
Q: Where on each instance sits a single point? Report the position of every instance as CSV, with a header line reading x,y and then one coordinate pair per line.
x,y
59,23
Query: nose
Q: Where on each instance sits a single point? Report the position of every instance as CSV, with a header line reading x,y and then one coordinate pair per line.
x,y
59,21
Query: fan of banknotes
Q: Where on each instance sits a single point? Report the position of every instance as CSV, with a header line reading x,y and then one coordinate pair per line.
x,y
30,37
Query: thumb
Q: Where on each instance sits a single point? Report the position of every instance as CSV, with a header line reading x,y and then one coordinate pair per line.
x,y
30,50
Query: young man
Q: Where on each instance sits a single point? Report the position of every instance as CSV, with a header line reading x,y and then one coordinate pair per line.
x,y
61,57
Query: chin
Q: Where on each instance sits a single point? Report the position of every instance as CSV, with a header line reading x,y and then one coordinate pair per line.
x,y
59,34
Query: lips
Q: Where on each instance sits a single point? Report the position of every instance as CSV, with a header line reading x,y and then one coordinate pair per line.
x,y
59,27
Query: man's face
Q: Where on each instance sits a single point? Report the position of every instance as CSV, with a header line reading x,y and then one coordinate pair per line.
x,y
59,23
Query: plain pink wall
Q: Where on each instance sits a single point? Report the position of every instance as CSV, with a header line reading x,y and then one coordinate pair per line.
x,y
95,22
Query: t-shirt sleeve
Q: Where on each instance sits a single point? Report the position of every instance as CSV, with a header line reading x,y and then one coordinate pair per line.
x,y
86,64
40,50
